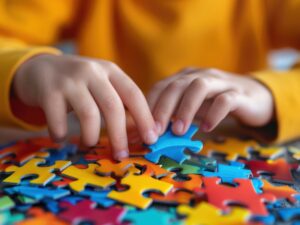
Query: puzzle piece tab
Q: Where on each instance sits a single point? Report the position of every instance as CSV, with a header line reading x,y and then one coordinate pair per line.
x,y
173,147
86,177
139,184
34,168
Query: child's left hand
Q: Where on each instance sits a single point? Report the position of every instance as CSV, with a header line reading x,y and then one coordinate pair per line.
x,y
209,95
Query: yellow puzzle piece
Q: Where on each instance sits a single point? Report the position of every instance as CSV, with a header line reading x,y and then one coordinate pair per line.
x,y
31,168
139,184
295,151
207,214
271,152
231,147
85,177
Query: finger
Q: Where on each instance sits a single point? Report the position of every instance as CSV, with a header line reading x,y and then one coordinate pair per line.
x,y
157,89
202,88
88,114
56,114
222,105
114,115
168,102
136,104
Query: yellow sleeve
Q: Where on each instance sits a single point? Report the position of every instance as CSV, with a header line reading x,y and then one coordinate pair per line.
x,y
285,87
25,26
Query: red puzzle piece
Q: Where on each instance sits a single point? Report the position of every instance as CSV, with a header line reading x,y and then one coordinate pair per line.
x,y
244,194
85,211
279,169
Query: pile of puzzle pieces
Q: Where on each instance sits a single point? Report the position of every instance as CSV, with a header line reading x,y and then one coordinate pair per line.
x,y
177,180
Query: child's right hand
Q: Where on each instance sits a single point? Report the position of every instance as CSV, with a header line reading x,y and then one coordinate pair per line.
x,y
59,84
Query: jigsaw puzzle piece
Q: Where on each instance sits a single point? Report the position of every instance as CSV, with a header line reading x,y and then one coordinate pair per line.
x,y
37,193
151,216
22,152
60,154
244,194
182,192
7,217
228,173
279,169
270,152
205,213
108,167
173,147
295,152
6,203
288,214
32,168
40,217
281,192
183,168
138,185
99,196
86,177
85,211
231,147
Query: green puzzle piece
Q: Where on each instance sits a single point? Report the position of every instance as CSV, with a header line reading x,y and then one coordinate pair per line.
x,y
170,165
6,203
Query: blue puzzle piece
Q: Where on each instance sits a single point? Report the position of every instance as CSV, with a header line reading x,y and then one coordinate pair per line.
x,y
151,216
99,196
173,146
60,154
268,220
288,214
37,193
52,205
228,173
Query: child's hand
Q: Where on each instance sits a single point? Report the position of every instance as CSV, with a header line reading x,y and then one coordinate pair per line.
x,y
209,95
59,84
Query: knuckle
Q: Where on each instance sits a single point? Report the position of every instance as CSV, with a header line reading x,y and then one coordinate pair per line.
x,y
88,113
158,86
110,104
225,99
177,84
202,83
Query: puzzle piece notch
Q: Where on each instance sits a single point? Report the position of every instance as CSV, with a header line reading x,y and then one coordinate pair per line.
x,y
34,168
173,147
183,168
85,211
138,185
86,177
244,194
205,213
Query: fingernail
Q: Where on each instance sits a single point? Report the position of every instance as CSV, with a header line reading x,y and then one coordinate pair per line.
x,y
178,126
151,137
158,127
121,155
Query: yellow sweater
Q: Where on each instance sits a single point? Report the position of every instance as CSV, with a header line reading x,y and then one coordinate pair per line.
x,y
151,39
